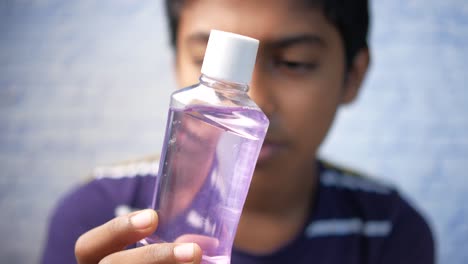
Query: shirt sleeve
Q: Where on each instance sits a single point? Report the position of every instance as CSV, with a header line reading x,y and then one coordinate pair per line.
x,y
411,239
81,210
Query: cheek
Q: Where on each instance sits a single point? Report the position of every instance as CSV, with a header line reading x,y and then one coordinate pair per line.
x,y
308,115
187,72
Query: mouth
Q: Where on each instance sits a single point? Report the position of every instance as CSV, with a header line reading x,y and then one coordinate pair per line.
x,y
270,149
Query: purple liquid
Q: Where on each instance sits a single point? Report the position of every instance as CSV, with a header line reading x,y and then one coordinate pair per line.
x,y
205,172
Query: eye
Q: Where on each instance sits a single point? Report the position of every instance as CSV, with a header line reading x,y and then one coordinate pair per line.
x,y
296,66
197,61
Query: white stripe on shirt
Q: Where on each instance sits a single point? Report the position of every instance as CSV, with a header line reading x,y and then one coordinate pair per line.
x,y
335,179
127,170
345,227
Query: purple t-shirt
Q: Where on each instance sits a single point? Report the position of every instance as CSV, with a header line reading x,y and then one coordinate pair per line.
x,y
354,220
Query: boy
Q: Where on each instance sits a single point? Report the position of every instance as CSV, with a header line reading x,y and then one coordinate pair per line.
x,y
312,58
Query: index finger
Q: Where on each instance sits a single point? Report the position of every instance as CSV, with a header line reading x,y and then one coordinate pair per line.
x,y
114,236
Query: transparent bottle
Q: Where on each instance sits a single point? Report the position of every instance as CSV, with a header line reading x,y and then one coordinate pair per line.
x,y
213,138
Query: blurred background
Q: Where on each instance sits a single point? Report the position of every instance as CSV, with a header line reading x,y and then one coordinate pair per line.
x,y
86,83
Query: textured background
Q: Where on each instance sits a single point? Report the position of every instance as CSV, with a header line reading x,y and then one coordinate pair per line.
x,y
87,82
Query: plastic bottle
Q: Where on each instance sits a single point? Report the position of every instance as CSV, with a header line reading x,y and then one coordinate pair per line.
x,y
213,138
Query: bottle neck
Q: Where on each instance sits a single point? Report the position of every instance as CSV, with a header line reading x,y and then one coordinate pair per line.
x,y
223,85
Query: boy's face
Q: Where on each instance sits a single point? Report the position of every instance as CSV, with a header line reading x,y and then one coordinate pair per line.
x,y
299,77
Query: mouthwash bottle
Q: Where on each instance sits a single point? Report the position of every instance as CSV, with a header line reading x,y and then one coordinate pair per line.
x,y
213,138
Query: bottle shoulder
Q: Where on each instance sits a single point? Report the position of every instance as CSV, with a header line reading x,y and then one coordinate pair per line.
x,y
204,95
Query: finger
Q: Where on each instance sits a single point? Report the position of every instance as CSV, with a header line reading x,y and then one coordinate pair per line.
x,y
206,243
164,253
114,236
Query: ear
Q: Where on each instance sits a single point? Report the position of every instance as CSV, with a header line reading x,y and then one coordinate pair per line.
x,y
355,76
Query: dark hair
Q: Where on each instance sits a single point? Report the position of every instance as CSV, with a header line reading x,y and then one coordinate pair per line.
x,y
350,17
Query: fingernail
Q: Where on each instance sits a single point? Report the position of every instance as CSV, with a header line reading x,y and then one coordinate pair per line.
x,y
184,252
142,220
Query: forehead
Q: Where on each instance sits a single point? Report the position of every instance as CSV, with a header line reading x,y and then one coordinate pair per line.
x,y
262,19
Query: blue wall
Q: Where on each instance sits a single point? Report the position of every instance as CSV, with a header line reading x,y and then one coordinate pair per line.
x,y
86,82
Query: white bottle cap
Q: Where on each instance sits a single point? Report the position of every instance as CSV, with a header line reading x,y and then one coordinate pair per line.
x,y
230,57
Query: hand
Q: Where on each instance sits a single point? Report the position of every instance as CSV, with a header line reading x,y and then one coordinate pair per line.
x,y
106,243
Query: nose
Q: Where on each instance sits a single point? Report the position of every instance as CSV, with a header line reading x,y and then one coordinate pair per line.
x,y
261,91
